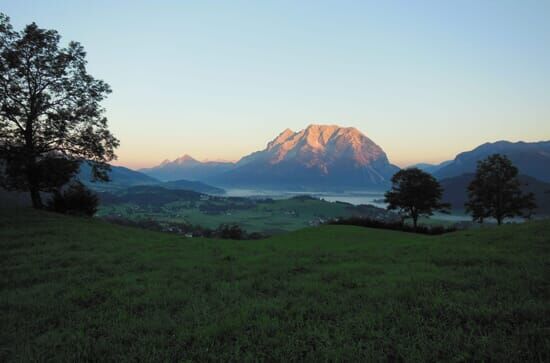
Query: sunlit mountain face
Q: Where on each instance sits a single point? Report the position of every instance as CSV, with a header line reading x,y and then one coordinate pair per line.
x,y
320,156
322,147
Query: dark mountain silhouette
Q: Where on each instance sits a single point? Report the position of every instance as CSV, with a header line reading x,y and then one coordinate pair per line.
x,y
195,186
186,167
455,191
532,159
431,168
148,195
122,178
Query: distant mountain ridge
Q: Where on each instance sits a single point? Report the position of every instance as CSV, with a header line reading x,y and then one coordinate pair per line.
x,y
430,168
332,157
187,167
531,158
319,156
122,178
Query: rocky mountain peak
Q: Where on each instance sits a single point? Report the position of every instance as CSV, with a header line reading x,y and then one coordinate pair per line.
x,y
319,144
185,159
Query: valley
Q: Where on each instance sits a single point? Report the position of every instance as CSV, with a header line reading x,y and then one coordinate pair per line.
x,y
267,215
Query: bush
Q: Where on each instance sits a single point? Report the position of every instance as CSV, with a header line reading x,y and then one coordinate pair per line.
x,y
231,232
395,226
75,199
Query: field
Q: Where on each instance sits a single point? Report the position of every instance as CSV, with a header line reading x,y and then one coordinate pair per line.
x,y
267,216
76,289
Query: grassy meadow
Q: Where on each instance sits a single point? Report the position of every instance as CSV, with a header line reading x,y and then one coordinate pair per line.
x,y
74,289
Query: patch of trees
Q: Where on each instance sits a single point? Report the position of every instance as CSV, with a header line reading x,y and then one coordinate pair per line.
x,y
372,212
392,225
304,198
495,193
76,199
224,231
153,196
265,201
225,206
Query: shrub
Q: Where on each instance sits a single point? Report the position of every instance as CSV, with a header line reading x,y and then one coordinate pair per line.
x,y
395,226
231,231
75,199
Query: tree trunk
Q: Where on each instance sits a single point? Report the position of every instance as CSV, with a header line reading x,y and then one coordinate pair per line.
x,y
415,221
35,197
33,181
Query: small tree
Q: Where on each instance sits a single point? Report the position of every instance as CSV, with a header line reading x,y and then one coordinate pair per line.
x,y
231,231
415,193
75,199
50,113
495,191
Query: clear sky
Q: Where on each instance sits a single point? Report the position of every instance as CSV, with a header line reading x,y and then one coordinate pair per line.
x,y
219,79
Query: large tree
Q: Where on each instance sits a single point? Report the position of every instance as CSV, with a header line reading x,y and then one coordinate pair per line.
x,y
50,113
495,191
415,193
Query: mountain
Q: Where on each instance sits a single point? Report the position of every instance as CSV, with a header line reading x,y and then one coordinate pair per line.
x,y
318,157
532,159
148,195
195,186
121,177
186,167
455,191
431,168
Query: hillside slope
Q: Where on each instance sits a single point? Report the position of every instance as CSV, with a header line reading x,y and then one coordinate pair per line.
x,y
120,178
80,289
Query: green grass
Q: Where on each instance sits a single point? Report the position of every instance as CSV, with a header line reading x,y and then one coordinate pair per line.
x,y
79,289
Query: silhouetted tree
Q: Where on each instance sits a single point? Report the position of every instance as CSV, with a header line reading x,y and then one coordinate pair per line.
x,y
415,193
75,199
231,231
495,191
50,113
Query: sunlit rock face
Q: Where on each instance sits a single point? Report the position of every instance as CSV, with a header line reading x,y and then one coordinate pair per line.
x,y
320,156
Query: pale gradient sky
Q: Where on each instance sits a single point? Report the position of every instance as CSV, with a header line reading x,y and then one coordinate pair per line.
x,y
219,79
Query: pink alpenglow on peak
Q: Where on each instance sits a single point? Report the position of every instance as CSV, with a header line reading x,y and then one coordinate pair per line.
x,y
319,157
322,144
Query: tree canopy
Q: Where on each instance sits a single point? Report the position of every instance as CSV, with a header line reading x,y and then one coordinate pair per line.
x,y
50,114
415,193
495,191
